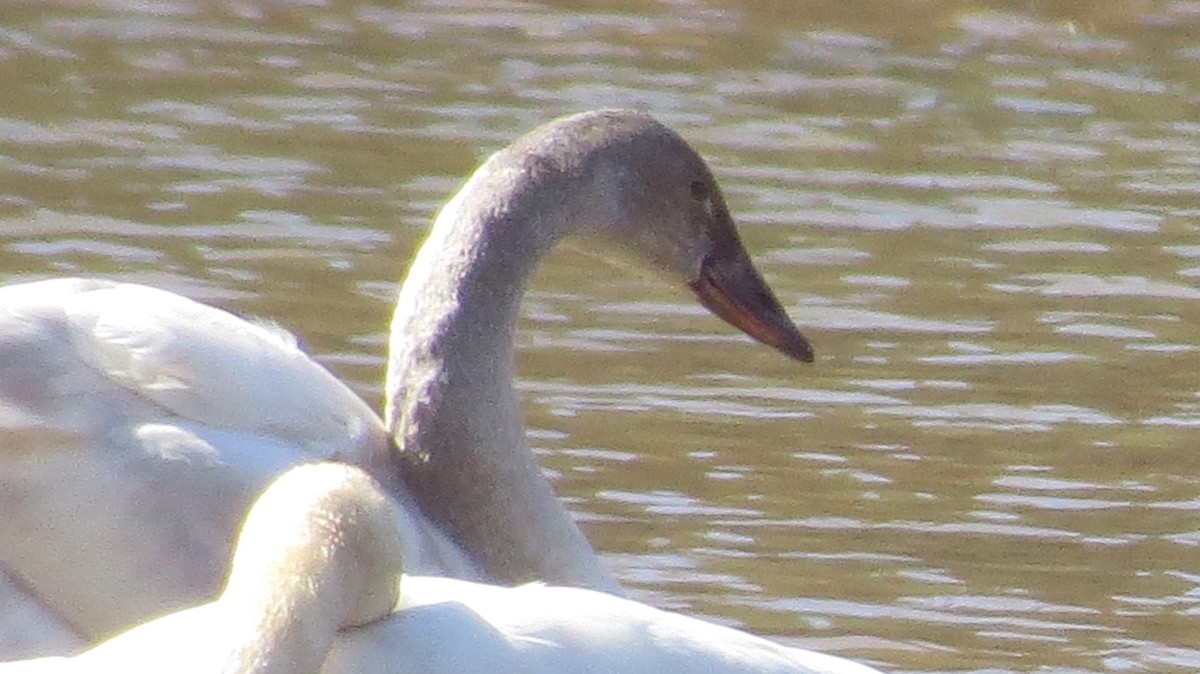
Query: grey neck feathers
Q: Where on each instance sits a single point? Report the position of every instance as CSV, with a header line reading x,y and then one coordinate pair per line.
x,y
450,392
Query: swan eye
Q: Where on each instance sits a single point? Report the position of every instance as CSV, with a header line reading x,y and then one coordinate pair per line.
x,y
699,190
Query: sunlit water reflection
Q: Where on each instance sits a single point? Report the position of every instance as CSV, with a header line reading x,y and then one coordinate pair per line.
x,y
984,218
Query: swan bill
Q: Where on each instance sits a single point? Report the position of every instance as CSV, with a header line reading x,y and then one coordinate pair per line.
x,y
731,288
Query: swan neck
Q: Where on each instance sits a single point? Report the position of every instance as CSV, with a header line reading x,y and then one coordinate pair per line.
x,y
458,307
450,380
296,581
486,242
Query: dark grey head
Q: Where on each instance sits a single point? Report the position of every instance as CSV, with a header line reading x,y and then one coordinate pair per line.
x,y
634,181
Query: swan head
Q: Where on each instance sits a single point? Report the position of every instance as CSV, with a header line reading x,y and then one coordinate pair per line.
x,y
623,176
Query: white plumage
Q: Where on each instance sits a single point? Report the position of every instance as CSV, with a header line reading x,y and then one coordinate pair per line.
x,y
317,567
138,425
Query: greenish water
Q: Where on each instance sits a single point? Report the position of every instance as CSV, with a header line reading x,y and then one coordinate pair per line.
x,y
983,214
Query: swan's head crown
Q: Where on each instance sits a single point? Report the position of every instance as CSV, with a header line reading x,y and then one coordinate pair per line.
x,y
622,175
632,180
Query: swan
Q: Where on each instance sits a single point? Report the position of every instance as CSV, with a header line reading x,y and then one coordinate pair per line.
x,y
136,425
316,577
319,552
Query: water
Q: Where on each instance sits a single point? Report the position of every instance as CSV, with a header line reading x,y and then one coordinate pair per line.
x,y
983,216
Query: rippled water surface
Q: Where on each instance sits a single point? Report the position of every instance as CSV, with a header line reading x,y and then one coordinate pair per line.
x,y
983,214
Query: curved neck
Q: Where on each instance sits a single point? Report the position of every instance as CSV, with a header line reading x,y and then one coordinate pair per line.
x,y
306,567
450,397
290,629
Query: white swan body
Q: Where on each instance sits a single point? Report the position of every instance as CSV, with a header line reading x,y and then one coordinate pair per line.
x,y
447,625
320,551
136,425
318,555
29,629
